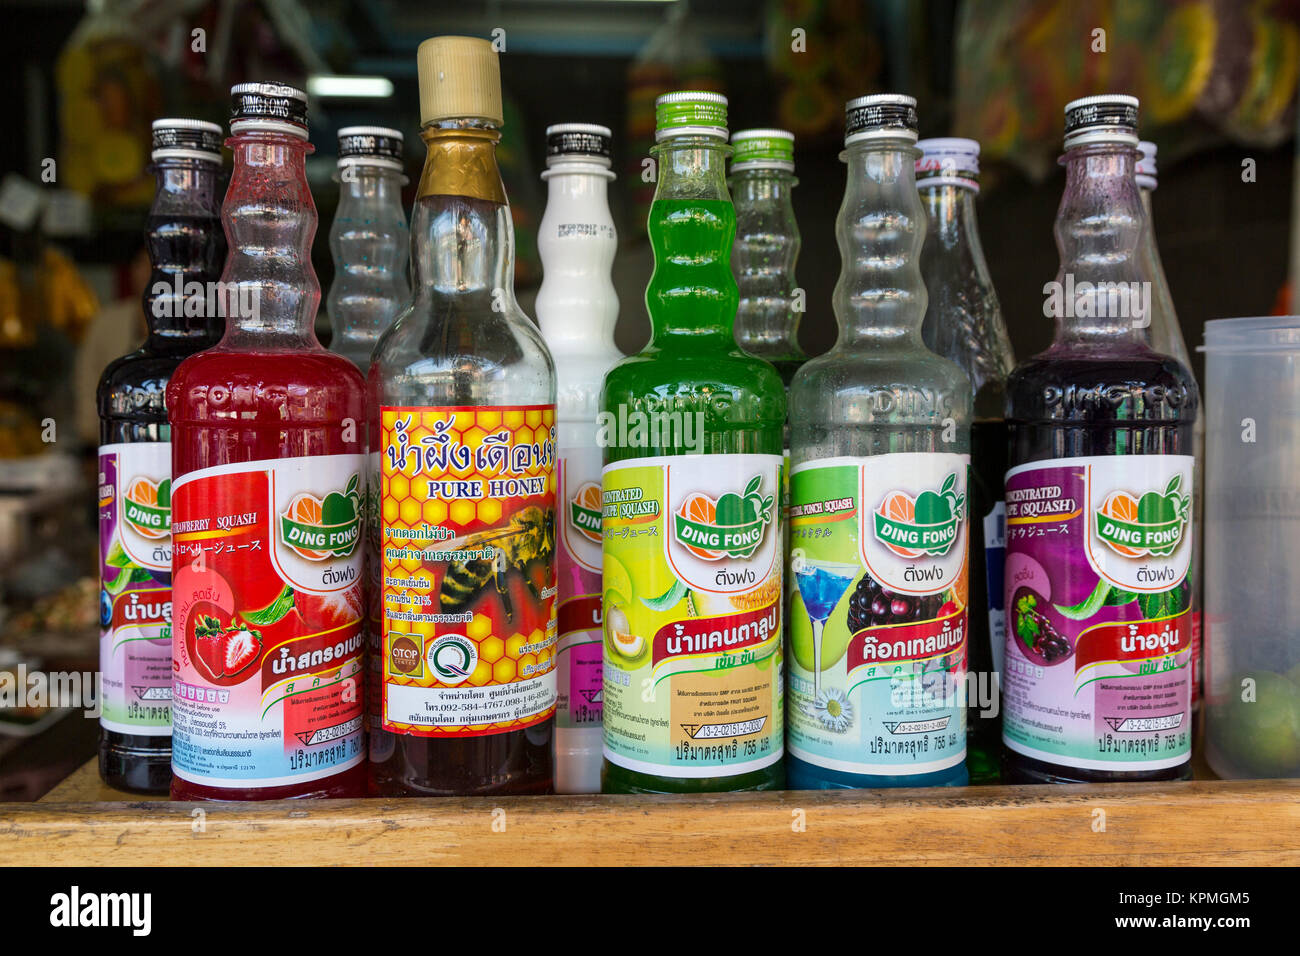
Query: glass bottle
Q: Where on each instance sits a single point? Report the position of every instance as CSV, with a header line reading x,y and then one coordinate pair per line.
x,y
766,247
368,240
268,463
1167,338
963,323
1096,676
462,399
577,309
691,492
186,251
880,453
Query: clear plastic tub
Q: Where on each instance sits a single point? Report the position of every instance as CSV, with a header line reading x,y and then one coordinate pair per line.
x,y
1252,546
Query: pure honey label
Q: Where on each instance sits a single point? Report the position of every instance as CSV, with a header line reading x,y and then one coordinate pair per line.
x,y
878,613
692,614
467,542
1097,671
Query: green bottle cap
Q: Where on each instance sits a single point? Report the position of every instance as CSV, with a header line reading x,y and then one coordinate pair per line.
x,y
762,149
691,113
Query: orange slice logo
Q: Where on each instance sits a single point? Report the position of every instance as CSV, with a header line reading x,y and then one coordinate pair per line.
x,y
1122,506
701,509
585,512
901,507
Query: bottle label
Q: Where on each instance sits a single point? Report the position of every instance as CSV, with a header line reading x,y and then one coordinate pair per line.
x,y
878,627
692,614
268,621
995,556
467,546
578,565
1097,669
135,598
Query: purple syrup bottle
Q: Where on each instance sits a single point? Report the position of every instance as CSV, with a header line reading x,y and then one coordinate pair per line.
x,y
186,250
1097,675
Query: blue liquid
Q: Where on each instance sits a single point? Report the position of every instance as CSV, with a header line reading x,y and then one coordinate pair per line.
x,y
821,591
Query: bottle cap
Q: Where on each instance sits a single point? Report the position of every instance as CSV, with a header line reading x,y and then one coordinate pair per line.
x,y
272,107
1146,165
370,146
1109,118
460,78
880,116
948,161
187,139
762,149
578,141
691,113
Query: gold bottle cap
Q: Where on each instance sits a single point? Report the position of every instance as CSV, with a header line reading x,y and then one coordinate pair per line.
x,y
460,77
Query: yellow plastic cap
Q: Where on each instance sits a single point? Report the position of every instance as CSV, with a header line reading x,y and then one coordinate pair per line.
x,y
460,77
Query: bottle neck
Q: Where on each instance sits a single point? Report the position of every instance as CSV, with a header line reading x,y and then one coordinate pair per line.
x,y
462,236
880,298
577,306
967,321
692,294
1102,295
186,250
364,186
763,260
270,221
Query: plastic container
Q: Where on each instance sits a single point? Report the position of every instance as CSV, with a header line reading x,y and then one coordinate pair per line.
x,y
1252,546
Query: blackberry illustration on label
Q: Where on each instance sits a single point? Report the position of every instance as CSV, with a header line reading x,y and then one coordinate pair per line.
x,y
135,601
878,616
578,564
268,612
692,612
467,532
1098,611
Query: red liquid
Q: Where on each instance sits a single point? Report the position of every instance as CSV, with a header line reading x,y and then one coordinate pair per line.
x,y
285,403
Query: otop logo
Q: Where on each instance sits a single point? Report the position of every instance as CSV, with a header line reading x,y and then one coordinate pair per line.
x,y
926,525
1136,527
733,526
404,656
323,529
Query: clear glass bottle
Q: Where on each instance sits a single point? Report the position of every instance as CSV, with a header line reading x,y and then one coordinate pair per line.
x,y
186,245
691,489
368,240
1096,675
1166,334
766,249
963,322
577,309
460,374
880,443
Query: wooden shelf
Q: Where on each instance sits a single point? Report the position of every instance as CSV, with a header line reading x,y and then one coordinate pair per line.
x,y
1228,823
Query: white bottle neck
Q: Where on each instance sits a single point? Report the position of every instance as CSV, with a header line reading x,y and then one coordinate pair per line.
x,y
577,307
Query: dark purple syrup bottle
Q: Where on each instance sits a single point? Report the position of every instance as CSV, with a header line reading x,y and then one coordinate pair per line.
x,y
187,249
1099,495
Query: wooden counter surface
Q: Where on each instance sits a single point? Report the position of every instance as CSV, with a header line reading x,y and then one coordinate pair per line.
x,y
1203,822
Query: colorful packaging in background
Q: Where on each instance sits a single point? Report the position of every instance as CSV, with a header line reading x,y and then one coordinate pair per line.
x,y
1233,66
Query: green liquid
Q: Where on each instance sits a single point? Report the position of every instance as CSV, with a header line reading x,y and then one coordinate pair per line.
x,y
693,364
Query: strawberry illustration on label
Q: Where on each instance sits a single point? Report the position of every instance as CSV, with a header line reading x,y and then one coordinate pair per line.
x,y
239,648
225,651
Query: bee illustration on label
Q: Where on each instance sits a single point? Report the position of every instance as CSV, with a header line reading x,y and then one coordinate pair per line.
x,y
529,536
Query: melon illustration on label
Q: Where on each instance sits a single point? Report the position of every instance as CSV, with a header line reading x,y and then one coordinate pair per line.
x,y
1151,525
731,527
925,525
584,511
322,529
148,507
